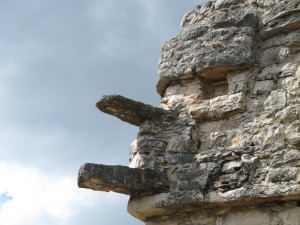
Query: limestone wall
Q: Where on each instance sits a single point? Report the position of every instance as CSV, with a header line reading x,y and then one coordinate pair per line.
x,y
233,74
223,148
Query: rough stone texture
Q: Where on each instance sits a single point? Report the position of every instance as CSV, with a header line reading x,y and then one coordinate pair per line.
x,y
227,133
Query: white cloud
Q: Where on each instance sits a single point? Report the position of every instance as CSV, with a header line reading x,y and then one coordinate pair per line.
x,y
36,196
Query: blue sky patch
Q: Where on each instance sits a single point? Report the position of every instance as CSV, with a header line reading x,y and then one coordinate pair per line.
x,y
4,197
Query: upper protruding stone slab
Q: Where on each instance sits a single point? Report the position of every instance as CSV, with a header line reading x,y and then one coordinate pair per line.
x,y
131,111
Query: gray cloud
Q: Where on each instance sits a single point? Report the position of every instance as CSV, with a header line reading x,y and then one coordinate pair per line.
x,y
57,58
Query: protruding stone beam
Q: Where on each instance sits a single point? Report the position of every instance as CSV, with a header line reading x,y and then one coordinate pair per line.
x,y
131,111
121,179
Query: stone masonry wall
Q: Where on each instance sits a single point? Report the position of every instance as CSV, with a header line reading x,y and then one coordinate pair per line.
x,y
223,148
233,75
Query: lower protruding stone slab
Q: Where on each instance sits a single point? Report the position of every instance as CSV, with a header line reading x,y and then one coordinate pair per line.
x,y
184,202
121,179
275,213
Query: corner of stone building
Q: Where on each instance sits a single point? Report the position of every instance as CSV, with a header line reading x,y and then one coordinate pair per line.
x,y
223,148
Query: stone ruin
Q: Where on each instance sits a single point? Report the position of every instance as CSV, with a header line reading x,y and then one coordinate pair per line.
x,y
223,148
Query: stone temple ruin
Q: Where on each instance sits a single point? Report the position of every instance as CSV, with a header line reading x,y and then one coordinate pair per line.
x,y
223,148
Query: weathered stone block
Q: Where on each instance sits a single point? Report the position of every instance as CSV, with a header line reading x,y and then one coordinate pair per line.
x,y
179,159
226,3
263,88
231,167
219,107
276,100
274,55
284,21
283,174
285,157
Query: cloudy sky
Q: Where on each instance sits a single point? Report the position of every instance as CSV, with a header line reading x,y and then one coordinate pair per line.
x,y
57,57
